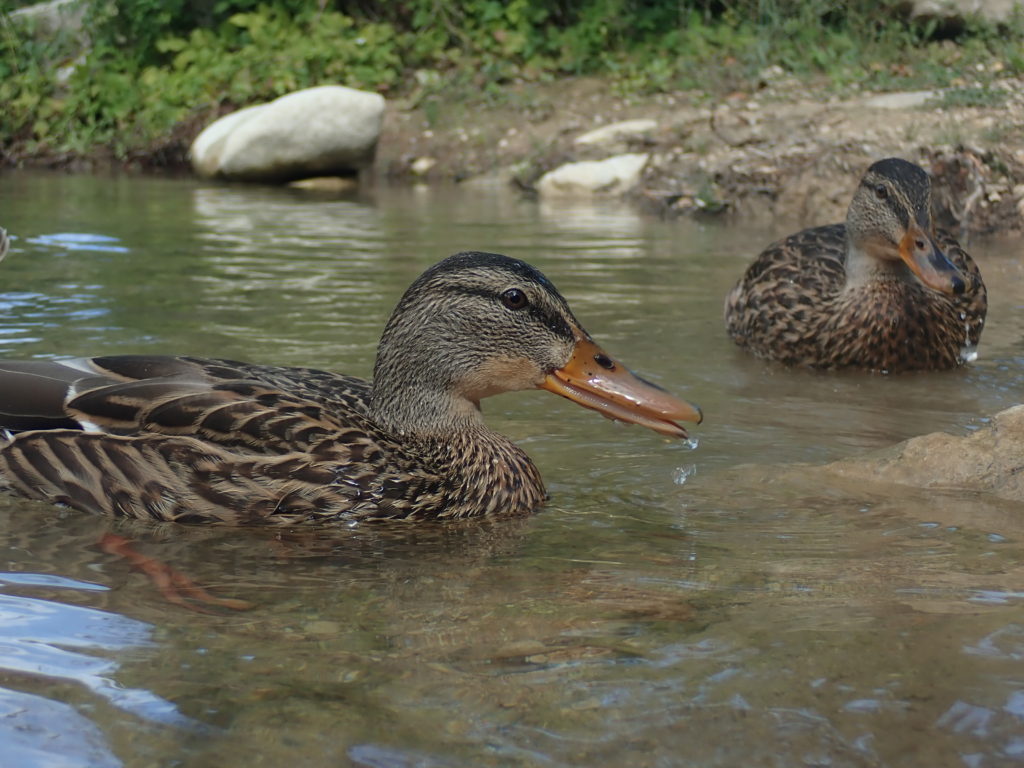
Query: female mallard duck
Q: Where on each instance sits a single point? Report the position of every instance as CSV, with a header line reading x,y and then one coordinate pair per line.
x,y
883,291
213,441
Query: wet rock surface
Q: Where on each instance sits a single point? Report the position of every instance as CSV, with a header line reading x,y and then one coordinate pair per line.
x,y
989,461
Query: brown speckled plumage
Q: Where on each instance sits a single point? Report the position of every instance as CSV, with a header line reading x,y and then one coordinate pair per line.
x,y
214,441
840,296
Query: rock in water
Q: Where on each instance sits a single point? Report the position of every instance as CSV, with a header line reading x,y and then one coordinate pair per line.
x,y
987,460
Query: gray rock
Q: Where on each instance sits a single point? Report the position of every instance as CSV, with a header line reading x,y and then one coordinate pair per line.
x,y
590,178
955,11
54,17
329,130
989,460
617,133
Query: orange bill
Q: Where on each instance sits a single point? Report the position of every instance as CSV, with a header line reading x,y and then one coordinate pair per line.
x,y
594,380
929,263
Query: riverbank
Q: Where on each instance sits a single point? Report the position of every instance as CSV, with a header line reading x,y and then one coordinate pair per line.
x,y
785,149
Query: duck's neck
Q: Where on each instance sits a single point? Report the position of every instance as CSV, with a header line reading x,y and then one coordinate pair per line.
x,y
862,269
418,410
485,472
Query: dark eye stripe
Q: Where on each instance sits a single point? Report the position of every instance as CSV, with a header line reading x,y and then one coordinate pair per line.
x,y
550,320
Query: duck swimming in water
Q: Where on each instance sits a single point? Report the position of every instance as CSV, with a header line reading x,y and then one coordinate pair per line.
x,y
194,440
884,292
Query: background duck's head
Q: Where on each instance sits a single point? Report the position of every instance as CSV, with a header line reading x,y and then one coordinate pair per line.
x,y
890,220
478,324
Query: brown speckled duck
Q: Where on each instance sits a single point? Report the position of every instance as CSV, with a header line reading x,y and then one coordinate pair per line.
x,y
212,441
882,292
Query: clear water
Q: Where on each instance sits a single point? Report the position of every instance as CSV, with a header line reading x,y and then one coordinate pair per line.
x,y
674,605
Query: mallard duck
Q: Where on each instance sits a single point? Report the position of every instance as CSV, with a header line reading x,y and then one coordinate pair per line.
x,y
214,441
882,292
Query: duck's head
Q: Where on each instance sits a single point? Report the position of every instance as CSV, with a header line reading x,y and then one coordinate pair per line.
x,y
479,324
890,220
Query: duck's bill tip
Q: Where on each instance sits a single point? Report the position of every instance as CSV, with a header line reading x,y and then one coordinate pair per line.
x,y
594,380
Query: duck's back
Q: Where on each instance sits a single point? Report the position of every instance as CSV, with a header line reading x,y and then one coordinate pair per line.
x,y
202,441
216,441
775,310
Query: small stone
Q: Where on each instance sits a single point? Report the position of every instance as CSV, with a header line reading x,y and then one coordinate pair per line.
x,y
421,165
332,184
592,178
904,100
617,133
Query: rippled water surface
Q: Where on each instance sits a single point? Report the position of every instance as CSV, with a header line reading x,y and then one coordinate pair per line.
x,y
666,609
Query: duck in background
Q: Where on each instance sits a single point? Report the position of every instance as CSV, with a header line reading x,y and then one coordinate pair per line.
x,y
884,291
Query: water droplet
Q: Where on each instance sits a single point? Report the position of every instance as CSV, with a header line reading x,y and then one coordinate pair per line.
x,y
969,353
684,473
691,443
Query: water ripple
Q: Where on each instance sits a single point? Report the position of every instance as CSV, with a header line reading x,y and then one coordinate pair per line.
x,y
47,639
79,241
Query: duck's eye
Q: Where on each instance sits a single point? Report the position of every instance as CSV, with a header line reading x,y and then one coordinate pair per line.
x,y
514,298
881,191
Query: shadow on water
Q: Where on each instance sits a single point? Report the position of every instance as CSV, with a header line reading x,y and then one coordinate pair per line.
x,y
716,604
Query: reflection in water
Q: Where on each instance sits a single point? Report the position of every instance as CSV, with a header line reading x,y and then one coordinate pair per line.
x,y
47,643
37,732
79,241
36,637
707,605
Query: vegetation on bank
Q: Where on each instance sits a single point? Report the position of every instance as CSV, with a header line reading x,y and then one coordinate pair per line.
x,y
147,73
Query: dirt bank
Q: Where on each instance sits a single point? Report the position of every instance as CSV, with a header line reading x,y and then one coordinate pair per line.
x,y
783,150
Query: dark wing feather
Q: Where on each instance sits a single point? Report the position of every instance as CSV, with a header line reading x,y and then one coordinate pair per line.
x,y
332,390
32,394
263,408
236,414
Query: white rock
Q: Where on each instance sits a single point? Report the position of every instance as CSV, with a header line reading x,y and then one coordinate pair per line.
x,y
323,131
611,176
904,100
421,165
616,132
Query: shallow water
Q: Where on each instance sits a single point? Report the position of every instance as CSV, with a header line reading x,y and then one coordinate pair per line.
x,y
666,609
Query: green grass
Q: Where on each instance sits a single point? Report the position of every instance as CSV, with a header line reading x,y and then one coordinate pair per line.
x,y
973,96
